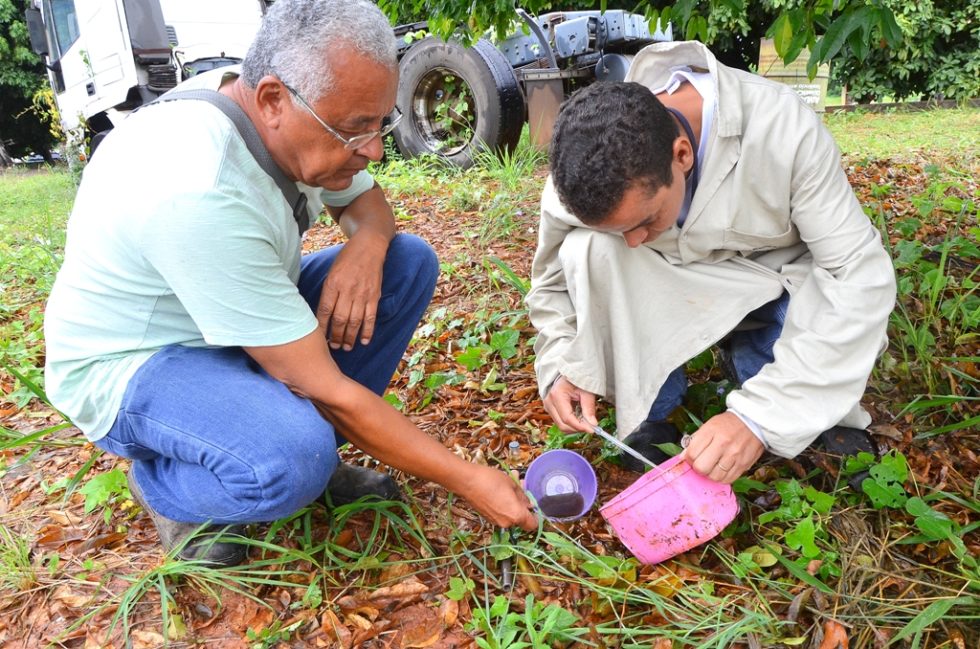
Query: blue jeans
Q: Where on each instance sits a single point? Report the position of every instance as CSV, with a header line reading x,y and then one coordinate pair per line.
x,y
749,350
213,437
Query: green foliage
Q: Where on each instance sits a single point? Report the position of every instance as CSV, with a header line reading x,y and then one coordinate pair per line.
x,y
919,625
273,635
539,627
938,56
32,234
455,114
934,525
22,129
804,509
18,63
502,344
515,281
886,484
419,175
885,488
395,402
459,588
829,28
21,349
104,490
427,345
938,298
312,598
512,168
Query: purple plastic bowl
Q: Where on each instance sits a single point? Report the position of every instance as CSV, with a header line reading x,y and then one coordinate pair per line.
x,y
561,472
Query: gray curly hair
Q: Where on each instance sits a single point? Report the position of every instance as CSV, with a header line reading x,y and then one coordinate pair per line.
x,y
295,36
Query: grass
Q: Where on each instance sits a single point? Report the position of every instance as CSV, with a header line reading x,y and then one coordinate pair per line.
x,y
34,207
888,565
17,571
905,134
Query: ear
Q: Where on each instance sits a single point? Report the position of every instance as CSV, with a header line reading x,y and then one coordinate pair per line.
x,y
271,99
683,153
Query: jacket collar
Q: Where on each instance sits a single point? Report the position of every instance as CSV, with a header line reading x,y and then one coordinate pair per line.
x,y
654,63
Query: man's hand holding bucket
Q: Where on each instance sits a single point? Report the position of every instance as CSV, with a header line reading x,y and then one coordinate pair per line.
x,y
723,448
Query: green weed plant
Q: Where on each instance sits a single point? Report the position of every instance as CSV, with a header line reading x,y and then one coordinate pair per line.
x,y
540,626
17,569
938,308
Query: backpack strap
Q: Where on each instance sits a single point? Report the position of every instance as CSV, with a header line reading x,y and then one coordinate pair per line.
x,y
294,197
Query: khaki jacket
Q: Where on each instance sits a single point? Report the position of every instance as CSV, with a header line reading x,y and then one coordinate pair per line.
x,y
773,211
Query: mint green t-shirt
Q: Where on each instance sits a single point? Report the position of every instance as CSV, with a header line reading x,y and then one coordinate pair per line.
x,y
177,236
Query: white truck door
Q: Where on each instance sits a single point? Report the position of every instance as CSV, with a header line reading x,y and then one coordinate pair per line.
x,y
95,56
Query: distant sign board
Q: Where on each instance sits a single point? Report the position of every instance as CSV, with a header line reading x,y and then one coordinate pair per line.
x,y
813,91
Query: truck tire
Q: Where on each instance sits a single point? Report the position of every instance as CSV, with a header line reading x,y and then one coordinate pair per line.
x,y
457,101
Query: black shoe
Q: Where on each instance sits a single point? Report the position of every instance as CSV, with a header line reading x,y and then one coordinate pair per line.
x,y
206,545
841,440
349,483
644,440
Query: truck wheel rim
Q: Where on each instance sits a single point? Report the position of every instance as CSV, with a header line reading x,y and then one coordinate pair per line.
x,y
444,111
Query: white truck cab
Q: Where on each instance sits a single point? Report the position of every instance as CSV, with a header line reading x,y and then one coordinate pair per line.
x,y
107,57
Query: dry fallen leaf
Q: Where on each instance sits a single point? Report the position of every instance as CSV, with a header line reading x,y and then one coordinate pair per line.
x,y
356,620
18,498
664,582
96,640
395,572
887,430
70,598
449,611
54,536
330,625
68,519
146,639
427,642
834,636
101,540
405,591
801,600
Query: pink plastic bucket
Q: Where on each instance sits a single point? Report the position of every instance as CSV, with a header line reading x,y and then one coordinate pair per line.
x,y
670,510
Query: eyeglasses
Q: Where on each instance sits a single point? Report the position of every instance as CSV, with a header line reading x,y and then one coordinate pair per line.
x,y
388,124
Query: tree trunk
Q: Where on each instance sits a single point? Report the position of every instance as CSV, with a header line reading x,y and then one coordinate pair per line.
x,y
5,159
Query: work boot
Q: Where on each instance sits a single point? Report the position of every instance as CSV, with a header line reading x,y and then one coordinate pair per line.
x,y
349,483
205,546
644,440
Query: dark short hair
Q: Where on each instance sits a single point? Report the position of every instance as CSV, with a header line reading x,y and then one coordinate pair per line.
x,y
609,137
